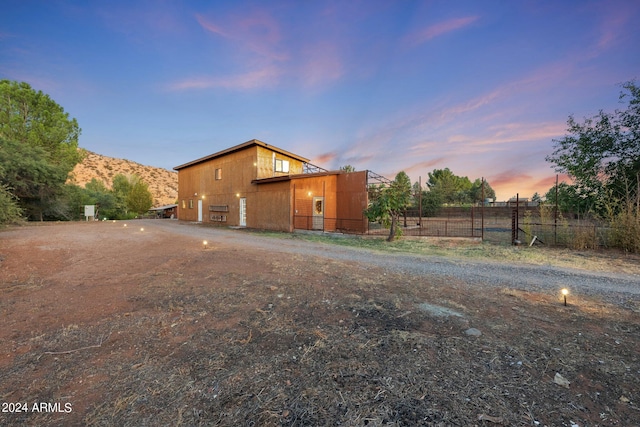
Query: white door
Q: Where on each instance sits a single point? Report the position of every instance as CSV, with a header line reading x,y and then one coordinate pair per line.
x,y
318,213
199,210
243,212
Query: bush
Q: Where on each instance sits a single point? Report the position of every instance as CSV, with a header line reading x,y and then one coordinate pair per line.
x,y
10,211
625,229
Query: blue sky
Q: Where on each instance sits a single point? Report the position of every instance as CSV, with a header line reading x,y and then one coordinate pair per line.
x,y
481,87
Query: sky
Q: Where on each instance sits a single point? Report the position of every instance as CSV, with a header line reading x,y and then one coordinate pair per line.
x,y
480,87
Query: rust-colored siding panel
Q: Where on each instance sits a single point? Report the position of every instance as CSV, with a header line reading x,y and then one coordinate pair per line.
x,y
352,201
270,207
198,182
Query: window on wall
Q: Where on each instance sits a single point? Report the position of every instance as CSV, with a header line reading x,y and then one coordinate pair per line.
x,y
190,203
184,204
218,173
282,165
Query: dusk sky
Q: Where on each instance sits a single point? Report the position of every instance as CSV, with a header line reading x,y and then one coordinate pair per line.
x,y
481,87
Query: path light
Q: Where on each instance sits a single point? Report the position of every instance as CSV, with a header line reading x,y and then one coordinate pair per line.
x,y
565,292
125,225
141,229
204,244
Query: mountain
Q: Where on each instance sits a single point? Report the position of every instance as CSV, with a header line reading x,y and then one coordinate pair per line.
x,y
163,183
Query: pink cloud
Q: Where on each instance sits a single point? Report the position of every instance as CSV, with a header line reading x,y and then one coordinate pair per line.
x,y
439,29
425,166
256,32
519,132
325,158
265,77
612,28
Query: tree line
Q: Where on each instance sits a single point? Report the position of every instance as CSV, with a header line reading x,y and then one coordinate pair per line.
x,y
38,150
600,155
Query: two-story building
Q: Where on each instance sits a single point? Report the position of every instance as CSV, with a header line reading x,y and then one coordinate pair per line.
x,y
258,185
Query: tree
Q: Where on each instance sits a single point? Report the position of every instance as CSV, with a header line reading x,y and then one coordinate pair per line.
x,y
40,138
389,202
132,196
602,154
139,199
99,195
32,179
569,199
450,187
347,168
476,192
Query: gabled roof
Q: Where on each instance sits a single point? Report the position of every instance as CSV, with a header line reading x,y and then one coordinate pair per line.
x,y
251,143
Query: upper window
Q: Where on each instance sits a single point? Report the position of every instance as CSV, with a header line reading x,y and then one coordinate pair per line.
x,y
282,165
219,173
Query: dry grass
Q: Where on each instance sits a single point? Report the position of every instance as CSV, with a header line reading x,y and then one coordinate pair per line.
x,y
235,337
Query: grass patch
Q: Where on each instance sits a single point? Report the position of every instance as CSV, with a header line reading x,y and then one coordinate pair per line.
x,y
609,260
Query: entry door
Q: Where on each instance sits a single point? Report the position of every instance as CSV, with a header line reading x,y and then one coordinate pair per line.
x,y
243,212
199,210
318,213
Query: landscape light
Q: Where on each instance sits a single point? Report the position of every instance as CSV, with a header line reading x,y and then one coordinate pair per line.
x,y
204,243
141,229
125,225
565,292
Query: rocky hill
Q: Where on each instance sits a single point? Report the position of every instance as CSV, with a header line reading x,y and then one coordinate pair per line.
x,y
163,183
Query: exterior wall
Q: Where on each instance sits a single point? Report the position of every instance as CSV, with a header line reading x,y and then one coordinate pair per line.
x,y
352,200
277,205
270,207
198,182
304,190
267,206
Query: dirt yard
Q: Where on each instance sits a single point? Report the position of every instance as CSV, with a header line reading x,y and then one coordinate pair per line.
x,y
107,325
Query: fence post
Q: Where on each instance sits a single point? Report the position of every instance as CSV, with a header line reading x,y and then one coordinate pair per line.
x,y
473,229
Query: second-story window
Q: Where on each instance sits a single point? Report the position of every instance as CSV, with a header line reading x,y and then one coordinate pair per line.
x,y
218,173
282,166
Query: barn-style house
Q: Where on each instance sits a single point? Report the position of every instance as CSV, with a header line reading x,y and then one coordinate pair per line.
x,y
261,186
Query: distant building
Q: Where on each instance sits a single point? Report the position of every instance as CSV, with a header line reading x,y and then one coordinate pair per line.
x,y
261,186
166,211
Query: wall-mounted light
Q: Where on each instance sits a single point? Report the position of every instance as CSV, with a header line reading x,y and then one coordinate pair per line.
x,y
309,193
203,197
565,292
237,194
195,194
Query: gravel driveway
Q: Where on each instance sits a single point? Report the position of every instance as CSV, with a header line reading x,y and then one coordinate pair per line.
x,y
621,289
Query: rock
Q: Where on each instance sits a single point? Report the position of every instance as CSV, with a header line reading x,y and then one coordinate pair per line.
x,y
561,381
473,332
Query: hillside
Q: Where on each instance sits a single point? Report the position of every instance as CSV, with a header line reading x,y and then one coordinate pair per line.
x,y
163,183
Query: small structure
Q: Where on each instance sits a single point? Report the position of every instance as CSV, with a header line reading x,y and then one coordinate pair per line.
x,y
89,212
258,185
166,211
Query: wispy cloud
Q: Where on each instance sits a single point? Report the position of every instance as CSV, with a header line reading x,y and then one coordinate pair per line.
x,y
257,32
424,35
260,41
266,77
322,63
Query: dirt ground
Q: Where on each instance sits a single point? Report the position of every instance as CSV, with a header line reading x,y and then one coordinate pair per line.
x,y
106,325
